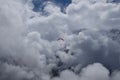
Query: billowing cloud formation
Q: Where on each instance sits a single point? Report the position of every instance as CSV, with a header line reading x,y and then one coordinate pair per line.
x,y
81,44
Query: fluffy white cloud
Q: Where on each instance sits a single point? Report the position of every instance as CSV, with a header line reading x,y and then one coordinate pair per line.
x,y
95,72
65,75
30,47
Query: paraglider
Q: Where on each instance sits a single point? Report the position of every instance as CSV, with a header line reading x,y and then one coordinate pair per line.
x,y
60,39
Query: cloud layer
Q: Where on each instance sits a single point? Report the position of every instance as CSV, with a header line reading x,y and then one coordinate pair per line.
x,y
81,44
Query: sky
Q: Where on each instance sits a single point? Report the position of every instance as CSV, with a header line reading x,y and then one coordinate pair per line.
x,y
38,4
59,40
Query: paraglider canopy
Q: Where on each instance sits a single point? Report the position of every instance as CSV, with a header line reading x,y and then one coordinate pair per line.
x,y
60,39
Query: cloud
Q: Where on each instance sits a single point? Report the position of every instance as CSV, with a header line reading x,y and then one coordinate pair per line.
x,y
95,71
30,48
115,75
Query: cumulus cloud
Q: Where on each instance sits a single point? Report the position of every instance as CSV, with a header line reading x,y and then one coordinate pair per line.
x,y
80,44
95,72
92,72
